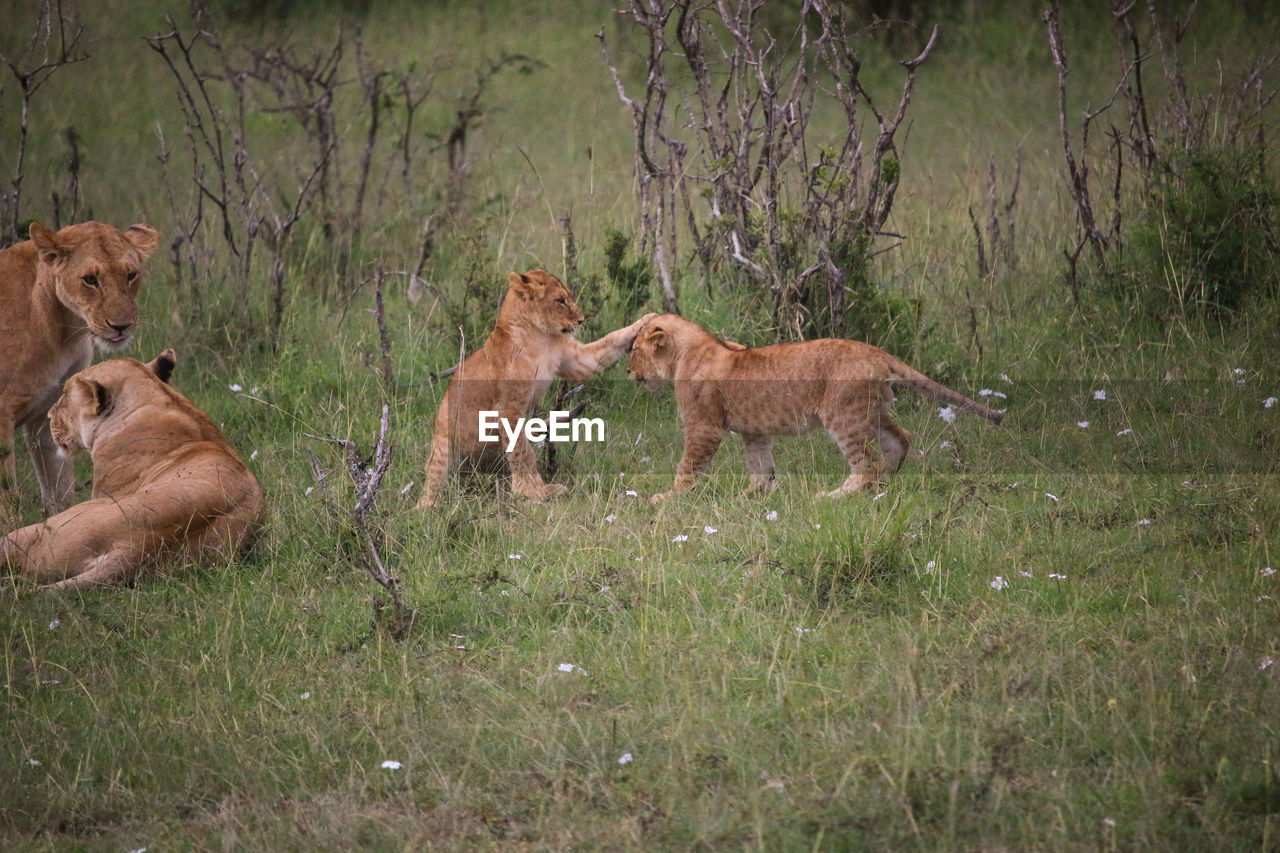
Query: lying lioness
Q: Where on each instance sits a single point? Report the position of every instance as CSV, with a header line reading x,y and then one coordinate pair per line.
x,y
784,389
167,487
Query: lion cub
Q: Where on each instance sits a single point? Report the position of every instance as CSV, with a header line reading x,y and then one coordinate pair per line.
x,y
167,487
530,346
60,295
784,389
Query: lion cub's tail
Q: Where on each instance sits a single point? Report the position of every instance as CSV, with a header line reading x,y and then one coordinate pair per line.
x,y
900,372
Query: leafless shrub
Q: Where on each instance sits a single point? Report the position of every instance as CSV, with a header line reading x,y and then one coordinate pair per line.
x,y
367,474
1153,135
998,238
752,110
55,42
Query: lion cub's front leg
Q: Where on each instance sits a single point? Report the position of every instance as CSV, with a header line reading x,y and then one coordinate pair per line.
x,y
759,463
587,360
700,444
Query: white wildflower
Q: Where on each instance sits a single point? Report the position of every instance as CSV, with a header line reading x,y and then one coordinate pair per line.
x,y
879,496
947,413
985,392
390,764
610,518
999,583
516,556
771,515
1125,431
706,528
306,695
632,493
1108,821
309,490
681,537
54,624
930,566
804,630
625,758
505,592
1025,574
1237,371
1266,663
1143,522
1266,572
407,487
1051,496
1082,424
253,456
644,459
236,387
1269,402
1054,576
1100,395
33,762
944,445
1007,380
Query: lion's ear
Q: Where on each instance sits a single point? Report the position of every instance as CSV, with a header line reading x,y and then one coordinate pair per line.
x,y
95,395
658,337
144,238
523,285
46,243
163,364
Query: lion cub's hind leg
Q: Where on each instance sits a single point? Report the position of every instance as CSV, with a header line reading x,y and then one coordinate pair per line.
x,y
759,463
852,418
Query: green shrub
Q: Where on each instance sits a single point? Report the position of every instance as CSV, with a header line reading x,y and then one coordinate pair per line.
x,y
1205,240
629,283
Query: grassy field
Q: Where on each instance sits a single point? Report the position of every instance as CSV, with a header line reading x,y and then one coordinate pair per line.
x,y
1054,634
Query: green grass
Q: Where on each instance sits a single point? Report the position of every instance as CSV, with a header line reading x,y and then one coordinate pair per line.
x,y
841,676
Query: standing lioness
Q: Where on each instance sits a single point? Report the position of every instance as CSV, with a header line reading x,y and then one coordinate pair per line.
x,y
529,347
784,389
167,487
60,294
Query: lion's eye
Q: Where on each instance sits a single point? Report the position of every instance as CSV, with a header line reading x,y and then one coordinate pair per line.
x,y
91,280
131,277
562,301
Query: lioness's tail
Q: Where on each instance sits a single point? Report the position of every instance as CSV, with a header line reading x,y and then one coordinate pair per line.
x,y
900,372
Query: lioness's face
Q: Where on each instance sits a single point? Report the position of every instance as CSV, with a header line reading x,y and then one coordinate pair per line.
x,y
96,269
65,417
90,396
652,357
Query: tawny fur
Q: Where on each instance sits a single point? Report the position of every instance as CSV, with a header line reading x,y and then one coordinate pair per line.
x,y
167,487
531,345
60,294
785,389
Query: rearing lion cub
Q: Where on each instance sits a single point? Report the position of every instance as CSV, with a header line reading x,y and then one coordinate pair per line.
x,y
784,389
166,485
530,346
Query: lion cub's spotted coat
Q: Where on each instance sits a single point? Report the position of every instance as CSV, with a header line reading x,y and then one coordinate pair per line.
x,y
530,346
784,389
167,487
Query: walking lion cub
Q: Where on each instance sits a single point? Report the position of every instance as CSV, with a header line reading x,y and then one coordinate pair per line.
x,y
784,389
167,487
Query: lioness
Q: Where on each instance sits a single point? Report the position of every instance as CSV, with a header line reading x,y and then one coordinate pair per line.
x,y
166,485
531,345
784,389
60,294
